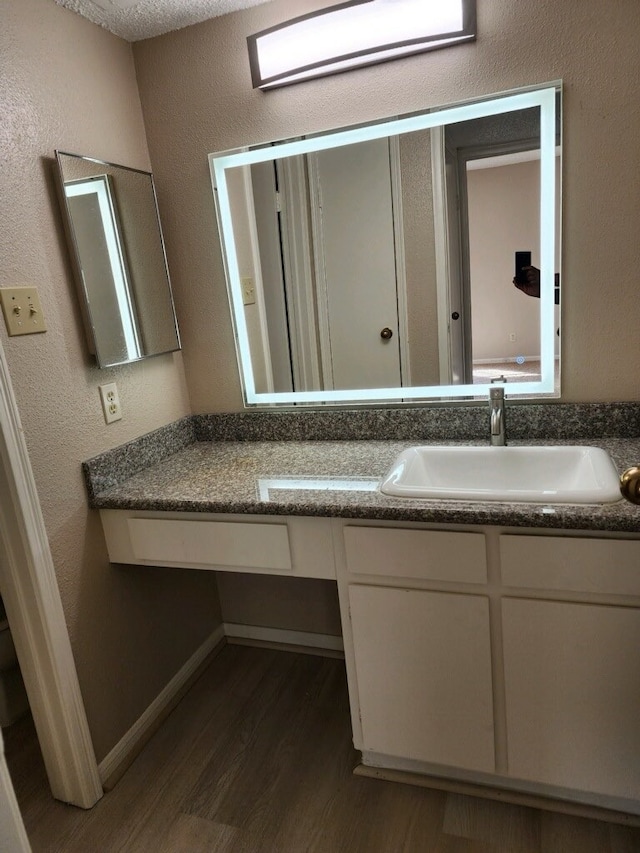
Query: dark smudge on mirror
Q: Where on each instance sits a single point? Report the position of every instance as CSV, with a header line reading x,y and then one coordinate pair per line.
x,y
375,263
116,239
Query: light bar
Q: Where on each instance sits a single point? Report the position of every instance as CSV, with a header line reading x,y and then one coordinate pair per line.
x,y
356,33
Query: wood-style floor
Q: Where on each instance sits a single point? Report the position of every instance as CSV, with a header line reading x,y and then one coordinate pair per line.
x,y
258,758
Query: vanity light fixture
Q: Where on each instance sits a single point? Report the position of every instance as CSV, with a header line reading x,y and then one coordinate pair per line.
x,y
356,33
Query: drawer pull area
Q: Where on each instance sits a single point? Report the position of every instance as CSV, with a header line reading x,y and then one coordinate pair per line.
x,y
421,554
211,543
576,564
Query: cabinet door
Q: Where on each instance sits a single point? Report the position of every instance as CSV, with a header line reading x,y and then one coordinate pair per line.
x,y
423,670
572,680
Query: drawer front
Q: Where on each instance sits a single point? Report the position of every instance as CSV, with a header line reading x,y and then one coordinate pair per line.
x,y
607,566
211,543
421,554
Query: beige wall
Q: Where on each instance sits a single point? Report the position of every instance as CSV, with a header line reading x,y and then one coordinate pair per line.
x,y
291,604
504,216
197,98
66,83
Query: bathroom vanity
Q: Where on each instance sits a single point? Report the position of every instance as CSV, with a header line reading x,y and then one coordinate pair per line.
x,y
486,644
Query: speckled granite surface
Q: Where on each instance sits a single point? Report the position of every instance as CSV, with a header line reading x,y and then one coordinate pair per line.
x,y
337,477
117,465
434,423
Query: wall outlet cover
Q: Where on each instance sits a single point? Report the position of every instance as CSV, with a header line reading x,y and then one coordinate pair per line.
x,y
110,402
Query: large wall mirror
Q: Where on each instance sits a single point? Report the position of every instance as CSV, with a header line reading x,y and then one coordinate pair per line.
x,y
114,229
377,263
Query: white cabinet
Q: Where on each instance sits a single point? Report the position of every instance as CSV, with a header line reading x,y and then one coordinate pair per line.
x,y
436,555
572,666
423,669
278,545
418,659
496,657
571,563
572,685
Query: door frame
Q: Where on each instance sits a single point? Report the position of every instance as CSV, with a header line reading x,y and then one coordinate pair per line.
x,y
298,272
36,618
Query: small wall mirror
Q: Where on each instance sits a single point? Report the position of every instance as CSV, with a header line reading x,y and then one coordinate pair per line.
x,y
376,263
114,230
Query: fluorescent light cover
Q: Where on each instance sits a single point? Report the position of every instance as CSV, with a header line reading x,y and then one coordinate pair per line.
x,y
360,32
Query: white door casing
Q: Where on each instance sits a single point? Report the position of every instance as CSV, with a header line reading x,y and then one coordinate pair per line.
x,y
34,609
13,837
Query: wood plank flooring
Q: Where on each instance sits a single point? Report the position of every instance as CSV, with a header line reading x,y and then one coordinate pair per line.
x,y
257,758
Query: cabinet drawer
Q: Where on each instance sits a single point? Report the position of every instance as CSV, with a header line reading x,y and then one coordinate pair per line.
x,y
423,554
211,543
608,566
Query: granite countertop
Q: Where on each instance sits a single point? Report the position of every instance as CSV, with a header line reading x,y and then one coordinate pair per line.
x,y
330,478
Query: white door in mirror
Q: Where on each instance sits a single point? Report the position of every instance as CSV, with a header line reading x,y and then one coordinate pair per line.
x,y
569,474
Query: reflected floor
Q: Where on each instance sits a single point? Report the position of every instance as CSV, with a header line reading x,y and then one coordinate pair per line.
x,y
512,372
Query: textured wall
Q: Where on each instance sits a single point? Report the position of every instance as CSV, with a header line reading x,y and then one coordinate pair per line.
x,y
66,83
292,604
498,308
197,98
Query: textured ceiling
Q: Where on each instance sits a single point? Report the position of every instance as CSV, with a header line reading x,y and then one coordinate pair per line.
x,y
135,20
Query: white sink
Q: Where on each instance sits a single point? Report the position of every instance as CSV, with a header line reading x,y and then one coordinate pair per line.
x,y
575,475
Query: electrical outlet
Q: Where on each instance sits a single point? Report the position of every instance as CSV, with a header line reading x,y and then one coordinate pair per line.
x,y
110,402
248,290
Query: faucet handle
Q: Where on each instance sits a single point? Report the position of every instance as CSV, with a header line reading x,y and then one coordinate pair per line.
x,y
500,378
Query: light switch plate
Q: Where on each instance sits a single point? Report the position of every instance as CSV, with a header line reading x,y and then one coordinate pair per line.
x,y
22,310
248,290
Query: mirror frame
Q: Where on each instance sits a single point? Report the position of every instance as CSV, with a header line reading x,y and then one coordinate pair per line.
x,y
87,309
542,97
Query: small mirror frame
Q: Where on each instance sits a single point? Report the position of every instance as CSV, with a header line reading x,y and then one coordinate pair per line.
x,y
85,301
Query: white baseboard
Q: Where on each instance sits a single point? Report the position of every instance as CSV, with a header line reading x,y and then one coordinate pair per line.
x,y
234,631
129,745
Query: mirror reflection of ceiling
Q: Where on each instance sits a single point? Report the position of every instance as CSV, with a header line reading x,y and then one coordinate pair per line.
x,y
376,263
134,20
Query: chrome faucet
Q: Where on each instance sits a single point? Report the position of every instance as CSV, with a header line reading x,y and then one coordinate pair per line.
x,y
498,426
